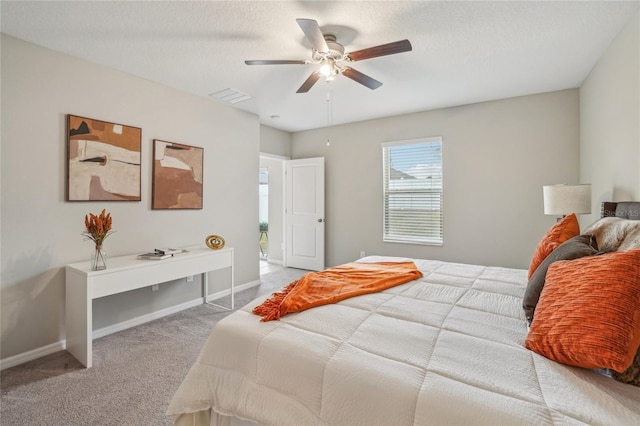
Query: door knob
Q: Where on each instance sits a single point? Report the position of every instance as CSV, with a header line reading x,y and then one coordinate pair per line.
x,y
320,220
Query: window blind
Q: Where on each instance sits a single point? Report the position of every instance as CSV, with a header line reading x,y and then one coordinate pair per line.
x,y
413,191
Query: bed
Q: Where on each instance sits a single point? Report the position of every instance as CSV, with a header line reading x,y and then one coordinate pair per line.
x,y
447,348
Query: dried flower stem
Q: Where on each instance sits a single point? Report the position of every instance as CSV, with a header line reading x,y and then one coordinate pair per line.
x,y
97,227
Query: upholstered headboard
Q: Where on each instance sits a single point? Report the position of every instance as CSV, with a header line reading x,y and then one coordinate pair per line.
x,y
623,209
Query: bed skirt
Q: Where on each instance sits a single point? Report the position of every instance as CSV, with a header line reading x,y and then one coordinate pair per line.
x,y
207,417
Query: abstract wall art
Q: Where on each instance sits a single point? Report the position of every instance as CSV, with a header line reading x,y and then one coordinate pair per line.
x,y
177,176
103,160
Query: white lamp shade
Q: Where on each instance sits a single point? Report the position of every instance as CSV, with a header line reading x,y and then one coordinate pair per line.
x,y
560,200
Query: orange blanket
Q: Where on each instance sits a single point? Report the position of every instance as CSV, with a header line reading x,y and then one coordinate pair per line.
x,y
335,284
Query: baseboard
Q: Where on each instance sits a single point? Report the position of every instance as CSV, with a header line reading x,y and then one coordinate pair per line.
x,y
275,261
62,345
12,361
238,288
101,332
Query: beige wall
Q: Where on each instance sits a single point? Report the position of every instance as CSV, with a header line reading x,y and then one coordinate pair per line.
x,y
275,141
610,122
496,155
41,232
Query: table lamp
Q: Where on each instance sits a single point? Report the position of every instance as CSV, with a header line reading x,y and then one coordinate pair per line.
x,y
561,200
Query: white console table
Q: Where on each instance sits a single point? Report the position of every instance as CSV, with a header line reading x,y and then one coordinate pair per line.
x,y
126,273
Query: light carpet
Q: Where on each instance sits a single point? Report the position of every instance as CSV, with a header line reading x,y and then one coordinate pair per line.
x,y
134,375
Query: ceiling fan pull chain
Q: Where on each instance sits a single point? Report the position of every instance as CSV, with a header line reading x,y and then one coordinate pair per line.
x,y
329,116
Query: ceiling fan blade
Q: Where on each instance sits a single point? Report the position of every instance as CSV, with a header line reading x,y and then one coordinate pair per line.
x,y
314,34
309,82
382,50
361,78
274,62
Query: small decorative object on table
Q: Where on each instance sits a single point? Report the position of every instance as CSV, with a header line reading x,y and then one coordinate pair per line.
x,y
215,242
97,229
159,254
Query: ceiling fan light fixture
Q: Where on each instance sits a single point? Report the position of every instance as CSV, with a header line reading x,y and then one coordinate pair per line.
x,y
329,69
326,69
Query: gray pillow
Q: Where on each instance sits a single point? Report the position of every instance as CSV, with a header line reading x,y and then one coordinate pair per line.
x,y
573,248
632,374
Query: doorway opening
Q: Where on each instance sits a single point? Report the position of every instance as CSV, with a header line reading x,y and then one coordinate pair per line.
x,y
270,233
263,214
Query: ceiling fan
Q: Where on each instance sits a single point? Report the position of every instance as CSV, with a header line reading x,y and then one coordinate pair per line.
x,y
327,52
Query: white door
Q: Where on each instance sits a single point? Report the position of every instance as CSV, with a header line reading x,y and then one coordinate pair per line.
x,y
304,215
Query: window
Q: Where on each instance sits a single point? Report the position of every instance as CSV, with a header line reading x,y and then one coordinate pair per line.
x,y
413,191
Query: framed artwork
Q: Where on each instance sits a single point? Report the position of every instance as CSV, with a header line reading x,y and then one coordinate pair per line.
x,y
177,176
103,160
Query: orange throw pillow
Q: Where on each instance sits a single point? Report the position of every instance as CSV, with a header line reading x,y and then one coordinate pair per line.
x,y
567,228
589,312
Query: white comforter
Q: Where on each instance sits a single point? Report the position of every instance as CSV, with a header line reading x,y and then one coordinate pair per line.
x,y
445,349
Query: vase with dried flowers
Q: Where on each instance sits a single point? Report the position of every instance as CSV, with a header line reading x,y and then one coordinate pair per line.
x,y
98,227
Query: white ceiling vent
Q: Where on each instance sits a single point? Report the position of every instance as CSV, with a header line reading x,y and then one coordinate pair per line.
x,y
230,96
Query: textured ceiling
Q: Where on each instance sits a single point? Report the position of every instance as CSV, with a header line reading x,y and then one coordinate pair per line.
x,y
463,52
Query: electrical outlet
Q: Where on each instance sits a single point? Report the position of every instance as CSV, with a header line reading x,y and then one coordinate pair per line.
x,y
362,253
190,278
155,287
